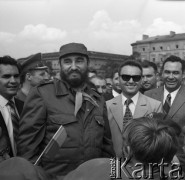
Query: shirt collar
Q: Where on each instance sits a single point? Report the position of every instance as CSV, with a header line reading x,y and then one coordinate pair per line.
x,y
114,93
134,98
3,101
174,93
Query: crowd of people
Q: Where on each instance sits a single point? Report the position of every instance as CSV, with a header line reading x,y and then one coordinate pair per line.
x,y
136,114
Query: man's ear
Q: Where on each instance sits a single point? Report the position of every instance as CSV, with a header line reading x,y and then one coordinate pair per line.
x,y
28,76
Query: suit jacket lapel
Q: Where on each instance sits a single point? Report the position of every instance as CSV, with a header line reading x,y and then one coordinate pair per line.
x,y
178,102
141,107
117,111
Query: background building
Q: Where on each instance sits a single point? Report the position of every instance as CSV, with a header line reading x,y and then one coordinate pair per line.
x,y
158,48
98,61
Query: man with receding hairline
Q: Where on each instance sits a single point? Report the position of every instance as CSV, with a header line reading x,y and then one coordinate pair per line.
x,y
172,95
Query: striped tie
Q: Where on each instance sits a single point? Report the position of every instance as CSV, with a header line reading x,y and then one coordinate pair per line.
x,y
128,114
167,104
15,119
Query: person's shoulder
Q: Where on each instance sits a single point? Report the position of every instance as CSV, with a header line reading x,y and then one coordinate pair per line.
x,y
150,99
92,91
155,90
48,83
113,100
44,87
182,89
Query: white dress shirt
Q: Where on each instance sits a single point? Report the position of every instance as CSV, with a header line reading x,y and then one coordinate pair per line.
x,y
6,113
173,95
132,105
114,93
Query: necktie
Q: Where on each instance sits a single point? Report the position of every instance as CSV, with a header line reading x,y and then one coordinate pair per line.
x,y
128,114
15,119
167,104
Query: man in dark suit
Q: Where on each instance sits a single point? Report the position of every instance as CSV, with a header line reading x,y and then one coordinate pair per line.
x,y
10,108
172,95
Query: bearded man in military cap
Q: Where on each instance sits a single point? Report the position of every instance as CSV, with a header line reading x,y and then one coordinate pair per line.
x,y
69,102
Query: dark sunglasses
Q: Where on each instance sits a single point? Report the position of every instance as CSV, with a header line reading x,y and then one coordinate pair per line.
x,y
125,77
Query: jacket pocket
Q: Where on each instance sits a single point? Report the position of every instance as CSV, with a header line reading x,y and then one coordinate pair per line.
x,y
70,124
99,120
62,119
98,131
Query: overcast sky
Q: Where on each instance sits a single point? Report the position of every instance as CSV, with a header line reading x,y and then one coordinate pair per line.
x,y
31,26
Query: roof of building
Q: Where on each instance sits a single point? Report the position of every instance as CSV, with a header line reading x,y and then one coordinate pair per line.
x,y
92,55
163,38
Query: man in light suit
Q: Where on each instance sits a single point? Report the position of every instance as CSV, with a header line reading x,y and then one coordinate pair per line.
x,y
172,75
130,73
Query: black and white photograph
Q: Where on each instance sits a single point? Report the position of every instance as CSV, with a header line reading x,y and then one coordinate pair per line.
x,y
92,89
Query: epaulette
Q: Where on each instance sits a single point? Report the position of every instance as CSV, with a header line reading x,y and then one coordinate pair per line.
x,y
95,92
45,83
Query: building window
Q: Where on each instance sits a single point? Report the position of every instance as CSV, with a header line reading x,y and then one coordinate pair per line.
x,y
177,46
143,49
153,48
161,47
153,59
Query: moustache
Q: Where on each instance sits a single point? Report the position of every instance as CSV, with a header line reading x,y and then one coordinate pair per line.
x,y
74,71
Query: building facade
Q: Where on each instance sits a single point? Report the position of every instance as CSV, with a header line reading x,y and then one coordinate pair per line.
x,y
97,60
158,48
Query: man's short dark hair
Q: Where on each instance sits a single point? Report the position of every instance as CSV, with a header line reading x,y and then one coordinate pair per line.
x,y
130,63
8,60
91,70
96,77
147,64
23,75
114,71
173,58
152,139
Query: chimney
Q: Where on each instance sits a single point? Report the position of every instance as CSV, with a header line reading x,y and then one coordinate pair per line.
x,y
145,36
172,33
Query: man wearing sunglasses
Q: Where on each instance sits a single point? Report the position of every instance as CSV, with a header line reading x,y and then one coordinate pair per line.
x,y
129,104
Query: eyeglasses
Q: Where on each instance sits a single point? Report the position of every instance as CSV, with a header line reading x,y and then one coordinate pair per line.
x,y
125,77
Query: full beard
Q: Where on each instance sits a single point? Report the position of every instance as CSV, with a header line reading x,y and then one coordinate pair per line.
x,y
75,82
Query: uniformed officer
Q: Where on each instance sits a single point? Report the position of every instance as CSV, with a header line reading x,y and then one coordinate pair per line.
x,y
33,73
